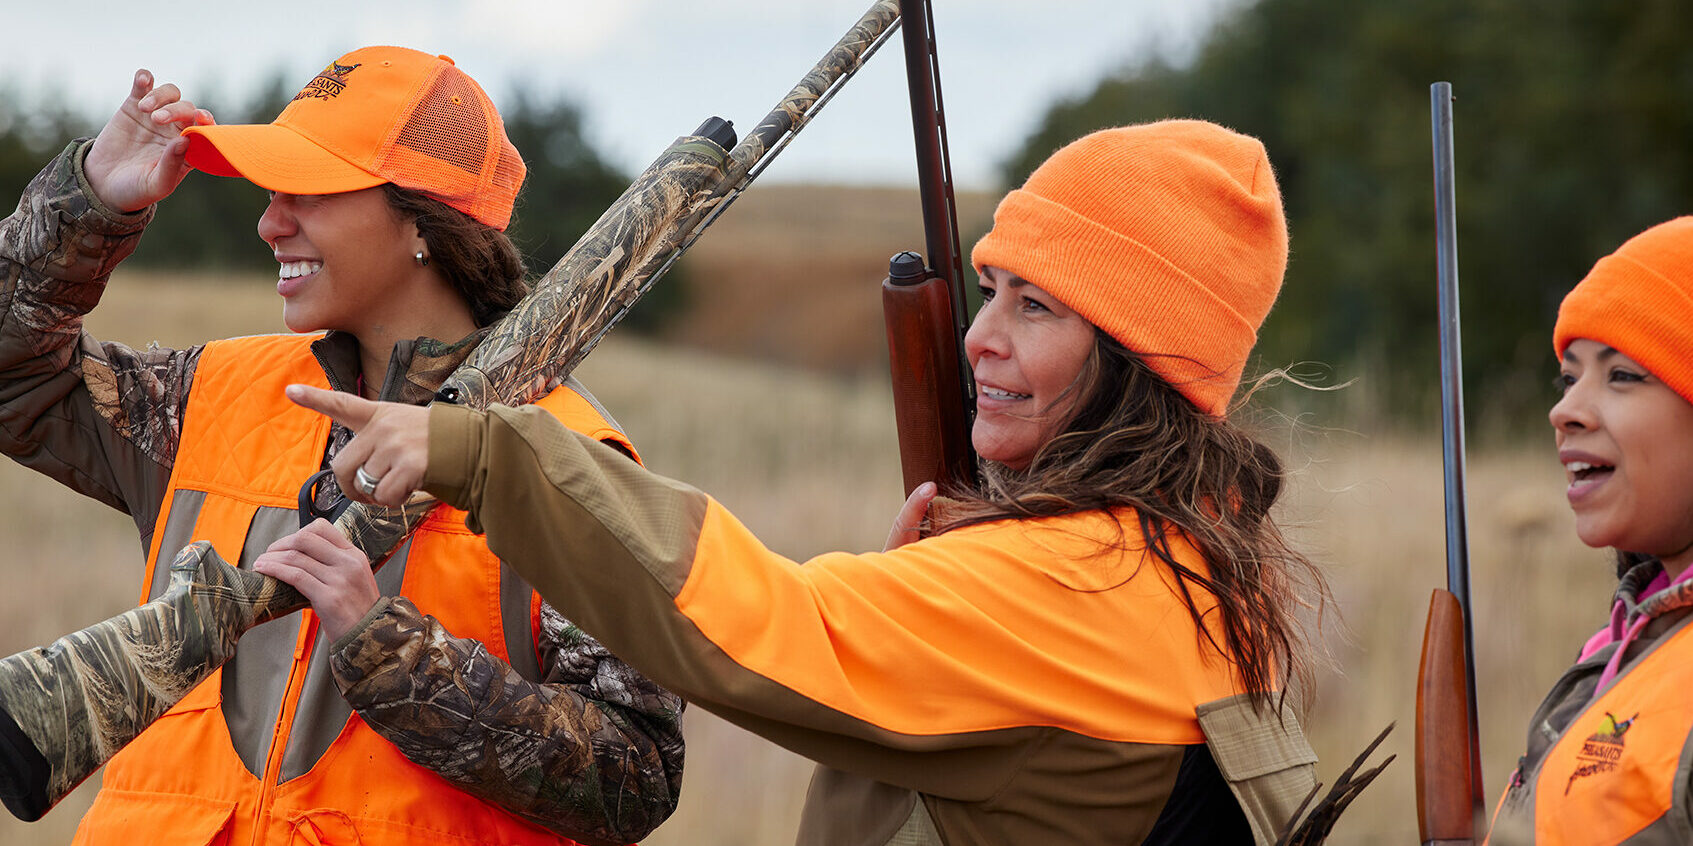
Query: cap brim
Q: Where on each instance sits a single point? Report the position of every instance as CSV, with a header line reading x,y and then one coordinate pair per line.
x,y
275,158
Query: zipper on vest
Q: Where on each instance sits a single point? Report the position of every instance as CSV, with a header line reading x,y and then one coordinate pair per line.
x,y
284,726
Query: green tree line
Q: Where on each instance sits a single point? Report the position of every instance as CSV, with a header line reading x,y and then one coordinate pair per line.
x,y
211,222
1573,130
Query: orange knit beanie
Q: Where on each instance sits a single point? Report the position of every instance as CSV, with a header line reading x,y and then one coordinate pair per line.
x,y
1639,301
1169,236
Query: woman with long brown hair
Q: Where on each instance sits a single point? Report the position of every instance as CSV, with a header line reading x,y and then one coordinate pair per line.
x,y
1090,647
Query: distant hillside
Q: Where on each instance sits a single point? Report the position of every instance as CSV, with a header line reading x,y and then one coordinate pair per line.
x,y
792,273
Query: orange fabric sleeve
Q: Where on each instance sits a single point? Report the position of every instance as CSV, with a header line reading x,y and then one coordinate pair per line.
x,y
1018,623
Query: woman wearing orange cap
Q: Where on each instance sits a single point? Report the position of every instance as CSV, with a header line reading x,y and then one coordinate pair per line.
x,y
1089,647
1609,750
438,701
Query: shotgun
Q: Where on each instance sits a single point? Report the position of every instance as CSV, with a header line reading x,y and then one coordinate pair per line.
x,y
68,707
1448,742
923,302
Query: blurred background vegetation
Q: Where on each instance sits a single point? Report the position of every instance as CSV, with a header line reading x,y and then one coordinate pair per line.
x,y
1573,122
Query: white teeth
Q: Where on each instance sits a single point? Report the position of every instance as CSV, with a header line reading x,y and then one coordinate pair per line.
x,y
291,269
995,393
1582,466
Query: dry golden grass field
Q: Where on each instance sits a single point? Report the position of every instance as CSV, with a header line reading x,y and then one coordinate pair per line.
x,y
809,462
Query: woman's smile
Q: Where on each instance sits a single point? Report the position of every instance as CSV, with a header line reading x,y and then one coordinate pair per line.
x,y
1586,472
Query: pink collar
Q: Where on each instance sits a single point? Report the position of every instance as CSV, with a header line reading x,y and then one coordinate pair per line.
x,y
1623,630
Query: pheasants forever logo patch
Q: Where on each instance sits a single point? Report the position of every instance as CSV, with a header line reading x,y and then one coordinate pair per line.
x,y
329,82
1602,750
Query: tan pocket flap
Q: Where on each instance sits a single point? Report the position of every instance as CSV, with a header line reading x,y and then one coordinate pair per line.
x,y
1247,744
1264,757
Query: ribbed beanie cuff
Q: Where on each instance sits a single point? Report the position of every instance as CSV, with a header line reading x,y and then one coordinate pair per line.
x,y
1168,236
1639,301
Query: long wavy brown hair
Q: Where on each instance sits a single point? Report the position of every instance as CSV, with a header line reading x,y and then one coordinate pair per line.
x,y
480,262
1134,441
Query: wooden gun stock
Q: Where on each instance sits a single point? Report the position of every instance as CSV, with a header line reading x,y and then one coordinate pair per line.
x,y
1445,811
929,393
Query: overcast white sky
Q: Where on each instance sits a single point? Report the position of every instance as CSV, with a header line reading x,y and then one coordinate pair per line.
x,y
644,71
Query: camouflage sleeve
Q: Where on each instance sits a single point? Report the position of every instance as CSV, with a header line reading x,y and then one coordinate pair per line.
x,y
100,417
594,752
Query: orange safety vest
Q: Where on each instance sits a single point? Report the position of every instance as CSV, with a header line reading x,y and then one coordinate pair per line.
x,y
275,755
1613,773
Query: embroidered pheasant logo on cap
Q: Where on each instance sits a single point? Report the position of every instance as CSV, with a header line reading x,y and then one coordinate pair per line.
x,y
329,82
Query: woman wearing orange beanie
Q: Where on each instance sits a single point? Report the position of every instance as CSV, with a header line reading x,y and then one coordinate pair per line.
x,y
1609,751
1087,648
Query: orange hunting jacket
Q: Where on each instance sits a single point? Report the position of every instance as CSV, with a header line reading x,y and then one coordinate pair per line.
x,y
1025,681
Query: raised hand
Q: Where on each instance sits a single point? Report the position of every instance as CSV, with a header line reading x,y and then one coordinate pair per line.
x,y
139,157
385,460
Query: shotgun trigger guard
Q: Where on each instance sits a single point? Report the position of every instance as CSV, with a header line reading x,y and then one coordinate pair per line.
x,y
308,500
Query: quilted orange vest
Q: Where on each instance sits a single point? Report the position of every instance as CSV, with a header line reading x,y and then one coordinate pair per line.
x,y
266,751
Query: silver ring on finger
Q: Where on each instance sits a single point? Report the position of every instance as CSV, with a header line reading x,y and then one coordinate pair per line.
x,y
366,482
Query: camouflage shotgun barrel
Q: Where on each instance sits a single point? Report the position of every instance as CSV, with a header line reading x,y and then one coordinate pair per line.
x,y
66,708
589,290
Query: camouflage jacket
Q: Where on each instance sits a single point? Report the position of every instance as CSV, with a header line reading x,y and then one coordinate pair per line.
x,y
600,749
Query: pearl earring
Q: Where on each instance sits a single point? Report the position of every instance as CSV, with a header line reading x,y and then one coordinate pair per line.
x,y
421,259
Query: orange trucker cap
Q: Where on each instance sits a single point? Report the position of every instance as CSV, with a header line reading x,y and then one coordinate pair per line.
x,y
376,115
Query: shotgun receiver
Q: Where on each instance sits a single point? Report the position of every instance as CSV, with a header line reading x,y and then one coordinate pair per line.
x,y
923,303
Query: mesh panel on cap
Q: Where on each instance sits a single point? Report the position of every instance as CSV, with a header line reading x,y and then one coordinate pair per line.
x,y
508,172
452,147
449,124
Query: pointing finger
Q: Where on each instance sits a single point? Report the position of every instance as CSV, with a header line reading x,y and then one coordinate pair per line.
x,y
349,410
